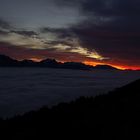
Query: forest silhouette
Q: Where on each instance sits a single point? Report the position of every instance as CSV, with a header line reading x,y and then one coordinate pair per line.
x,y
115,115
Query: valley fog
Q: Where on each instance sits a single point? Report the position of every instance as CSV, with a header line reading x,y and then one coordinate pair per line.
x,y
25,89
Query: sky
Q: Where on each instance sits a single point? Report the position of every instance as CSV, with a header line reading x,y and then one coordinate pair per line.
x,y
89,31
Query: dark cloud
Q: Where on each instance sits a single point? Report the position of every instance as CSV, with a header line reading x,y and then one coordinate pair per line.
x,y
2,32
63,36
6,27
59,32
120,13
25,33
111,8
110,27
121,47
104,7
63,42
19,52
4,24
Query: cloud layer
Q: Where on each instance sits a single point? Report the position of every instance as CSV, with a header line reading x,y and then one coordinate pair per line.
x,y
107,32
110,27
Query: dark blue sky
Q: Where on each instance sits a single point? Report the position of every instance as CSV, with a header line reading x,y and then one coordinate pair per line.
x,y
90,31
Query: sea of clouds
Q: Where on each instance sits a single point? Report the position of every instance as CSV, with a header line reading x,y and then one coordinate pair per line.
x,y
25,89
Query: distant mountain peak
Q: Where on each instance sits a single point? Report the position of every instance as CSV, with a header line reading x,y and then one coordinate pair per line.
x,y
105,67
49,60
4,57
7,61
51,63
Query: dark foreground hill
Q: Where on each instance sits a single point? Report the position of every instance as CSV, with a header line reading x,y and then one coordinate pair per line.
x,y
114,116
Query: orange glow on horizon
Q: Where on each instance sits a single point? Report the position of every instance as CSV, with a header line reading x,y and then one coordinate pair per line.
x,y
96,63
92,63
121,67
36,59
124,67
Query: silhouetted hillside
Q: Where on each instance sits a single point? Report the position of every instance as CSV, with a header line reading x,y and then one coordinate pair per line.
x,y
27,63
75,65
115,116
105,67
49,63
7,61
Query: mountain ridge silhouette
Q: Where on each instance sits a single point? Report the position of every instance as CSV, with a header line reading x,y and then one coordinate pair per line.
x,y
6,61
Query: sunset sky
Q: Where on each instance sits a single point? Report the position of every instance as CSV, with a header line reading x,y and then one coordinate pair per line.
x,y
88,31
